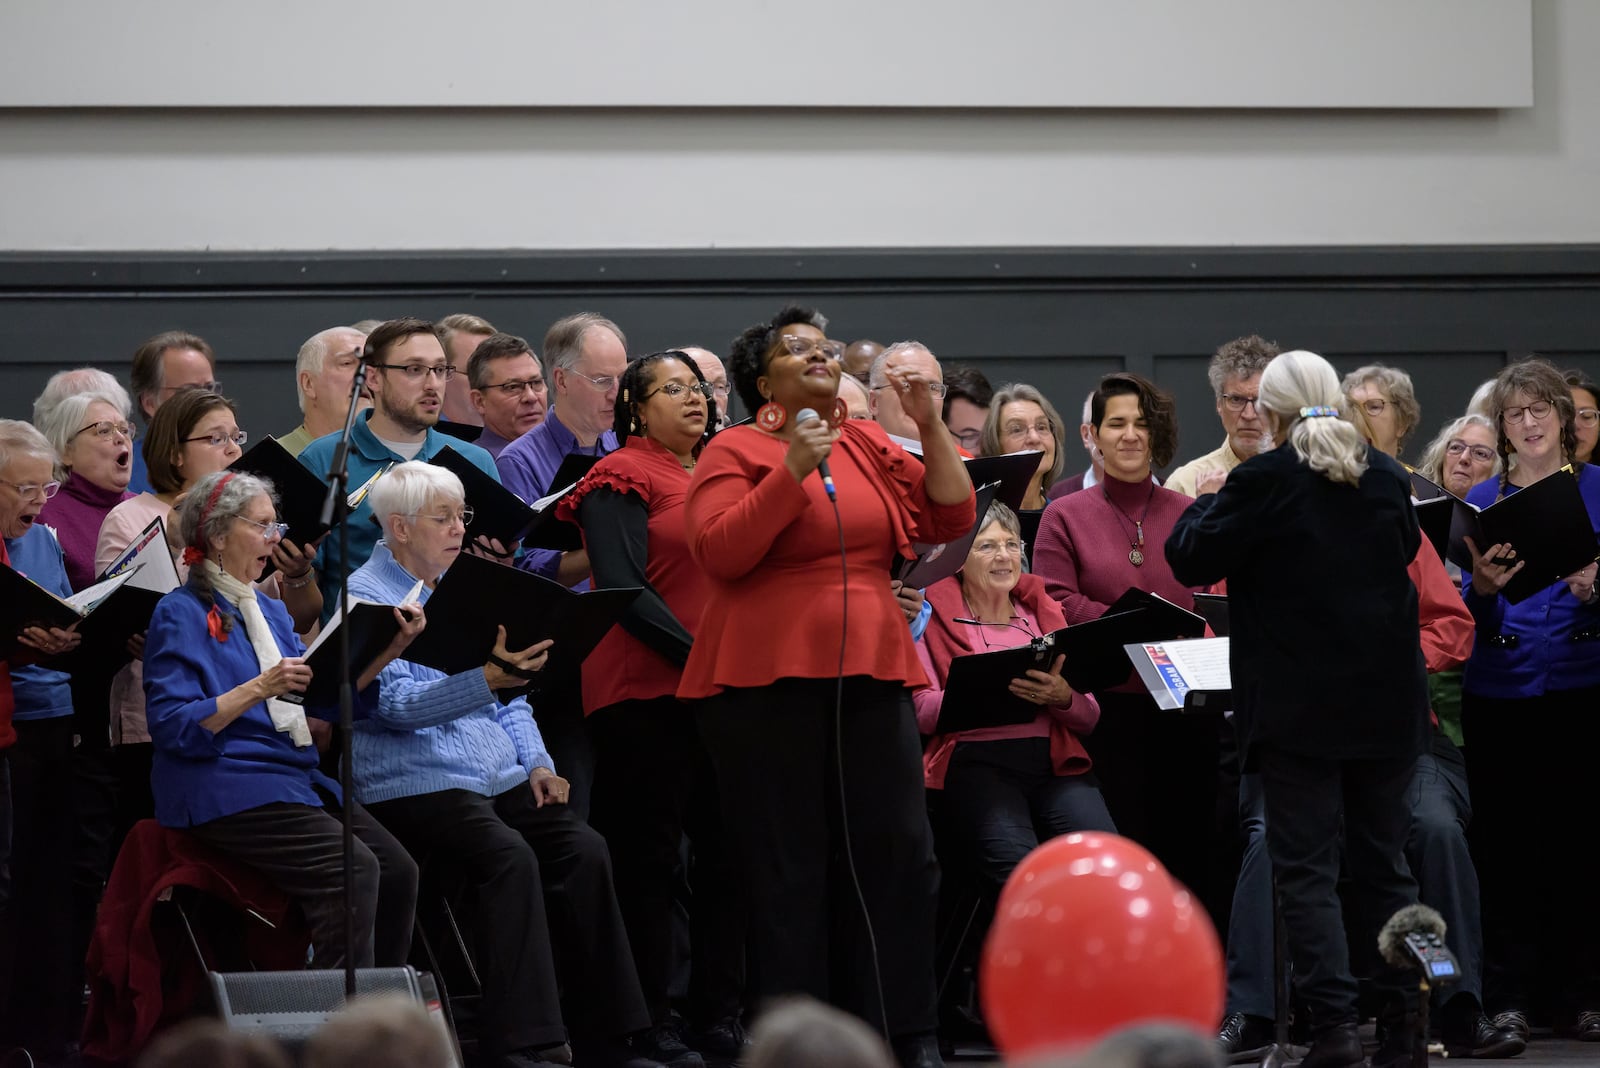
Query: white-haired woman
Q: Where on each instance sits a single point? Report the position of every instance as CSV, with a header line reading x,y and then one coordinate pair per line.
x,y
234,766
1463,454
1314,538
93,438
463,778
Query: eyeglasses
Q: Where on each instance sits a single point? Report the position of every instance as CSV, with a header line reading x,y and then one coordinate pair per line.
x,y
217,441
1017,430
719,388
938,389
805,346
109,428
604,383
210,387
1374,407
676,390
268,530
1481,453
517,388
461,515
992,548
968,439
1587,416
44,490
1238,402
1538,410
415,372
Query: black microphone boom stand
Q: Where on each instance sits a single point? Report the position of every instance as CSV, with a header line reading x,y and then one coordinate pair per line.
x,y
336,512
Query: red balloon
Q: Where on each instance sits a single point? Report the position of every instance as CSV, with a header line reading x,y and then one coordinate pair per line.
x,y
1110,854
1088,948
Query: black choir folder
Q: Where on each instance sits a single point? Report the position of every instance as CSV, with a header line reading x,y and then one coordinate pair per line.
x,y
476,595
1096,655
1546,523
24,603
977,690
372,627
499,513
1013,471
300,493
935,562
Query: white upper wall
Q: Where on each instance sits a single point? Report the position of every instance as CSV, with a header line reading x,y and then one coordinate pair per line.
x,y
147,177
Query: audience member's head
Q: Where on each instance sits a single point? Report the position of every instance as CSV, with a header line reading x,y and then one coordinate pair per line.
x,y
967,395
406,373
92,437
857,401
885,400
1586,417
802,1033
1462,455
64,384
1148,1046
193,434
165,364
715,375
508,390
459,335
1385,394
1235,375
859,357
206,1043
381,1031
323,373
584,357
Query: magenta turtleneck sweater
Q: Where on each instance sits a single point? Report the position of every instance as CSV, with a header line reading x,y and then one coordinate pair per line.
x,y
1084,539
75,514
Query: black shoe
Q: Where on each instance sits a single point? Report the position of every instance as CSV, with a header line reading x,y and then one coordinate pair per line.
x,y
1588,1028
664,1043
1243,1035
1338,1048
918,1051
723,1042
1515,1021
1479,1037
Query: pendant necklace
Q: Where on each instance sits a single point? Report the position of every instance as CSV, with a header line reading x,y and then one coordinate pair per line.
x,y
1136,543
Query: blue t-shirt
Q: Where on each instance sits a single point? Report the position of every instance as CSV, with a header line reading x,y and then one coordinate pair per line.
x,y
41,692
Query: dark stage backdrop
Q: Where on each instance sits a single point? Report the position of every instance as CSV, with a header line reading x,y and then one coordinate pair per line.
x,y
1058,318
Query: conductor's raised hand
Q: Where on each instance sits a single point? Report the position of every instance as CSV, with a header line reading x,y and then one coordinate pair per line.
x,y
1493,568
1044,688
511,670
289,675
809,445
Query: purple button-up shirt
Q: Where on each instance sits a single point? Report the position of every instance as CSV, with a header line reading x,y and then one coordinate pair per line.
x,y
528,465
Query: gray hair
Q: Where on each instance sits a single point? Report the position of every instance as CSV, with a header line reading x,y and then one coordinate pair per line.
x,y
62,422
1431,466
802,1033
200,519
1000,512
1397,384
1330,446
1021,391
387,1029
563,342
314,353
408,488
1479,404
64,384
18,439
1243,357
879,375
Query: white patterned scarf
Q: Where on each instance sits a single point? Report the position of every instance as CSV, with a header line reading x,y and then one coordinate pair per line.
x,y
288,718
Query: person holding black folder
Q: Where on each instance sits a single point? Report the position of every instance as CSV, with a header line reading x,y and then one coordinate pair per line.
x,y
456,768
1334,513
1008,786
1530,691
631,509
806,702
1157,769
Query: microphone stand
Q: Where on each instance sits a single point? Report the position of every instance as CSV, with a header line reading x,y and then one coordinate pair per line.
x,y
336,511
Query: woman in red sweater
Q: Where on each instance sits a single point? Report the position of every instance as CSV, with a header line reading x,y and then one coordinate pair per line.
x,y
1006,787
1157,769
652,773
804,664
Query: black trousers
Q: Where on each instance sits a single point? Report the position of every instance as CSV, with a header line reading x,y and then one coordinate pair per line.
x,y
40,1007
1531,764
300,850
543,906
1158,772
653,782
779,765
558,711
1305,799
1002,798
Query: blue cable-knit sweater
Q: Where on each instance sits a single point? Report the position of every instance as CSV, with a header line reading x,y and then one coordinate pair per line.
x,y
429,731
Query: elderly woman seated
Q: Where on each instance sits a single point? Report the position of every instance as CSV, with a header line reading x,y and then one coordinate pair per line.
x,y
234,765
463,779
1005,789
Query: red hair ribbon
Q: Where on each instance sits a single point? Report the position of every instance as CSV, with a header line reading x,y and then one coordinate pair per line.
x,y
214,624
192,556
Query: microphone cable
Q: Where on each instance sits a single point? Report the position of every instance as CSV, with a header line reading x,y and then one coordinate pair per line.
x,y
838,763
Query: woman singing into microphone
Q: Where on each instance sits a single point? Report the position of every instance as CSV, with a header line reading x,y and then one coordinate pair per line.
x,y
804,663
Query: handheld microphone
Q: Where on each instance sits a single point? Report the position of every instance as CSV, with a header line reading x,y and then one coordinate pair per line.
x,y
1414,939
807,415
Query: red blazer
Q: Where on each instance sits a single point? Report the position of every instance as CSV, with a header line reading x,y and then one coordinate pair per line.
x,y
944,640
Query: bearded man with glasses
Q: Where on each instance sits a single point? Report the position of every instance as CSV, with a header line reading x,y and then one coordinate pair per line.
x,y
1235,375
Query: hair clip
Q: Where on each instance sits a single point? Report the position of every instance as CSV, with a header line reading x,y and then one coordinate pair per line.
x,y
1319,411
